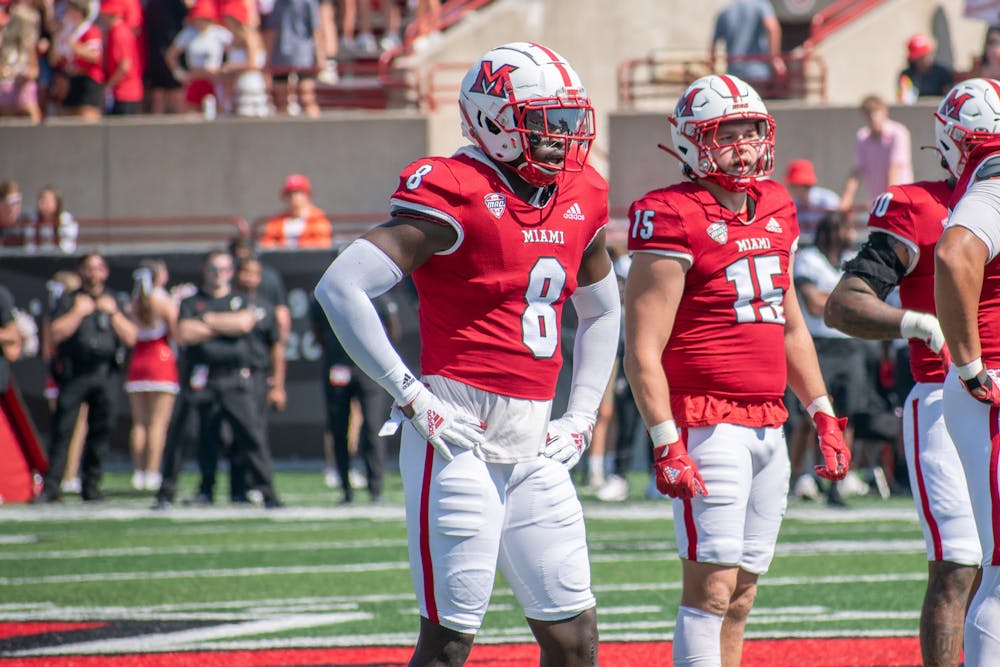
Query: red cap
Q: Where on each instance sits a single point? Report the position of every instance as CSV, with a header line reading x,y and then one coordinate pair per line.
x,y
918,46
296,183
800,172
204,9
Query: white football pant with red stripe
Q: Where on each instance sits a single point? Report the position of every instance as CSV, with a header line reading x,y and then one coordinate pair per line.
x,y
746,472
937,479
467,517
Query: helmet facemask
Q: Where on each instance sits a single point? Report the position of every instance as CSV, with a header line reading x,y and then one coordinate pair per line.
x,y
556,135
742,170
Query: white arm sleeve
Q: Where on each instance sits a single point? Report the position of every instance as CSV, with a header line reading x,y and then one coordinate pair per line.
x,y
599,309
979,211
360,273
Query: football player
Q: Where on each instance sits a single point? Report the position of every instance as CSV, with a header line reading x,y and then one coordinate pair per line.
x,y
711,324
967,297
905,223
496,237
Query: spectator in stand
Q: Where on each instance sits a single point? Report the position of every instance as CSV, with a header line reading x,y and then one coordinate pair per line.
x,y
752,36
81,56
151,382
122,62
19,63
90,331
425,16
53,228
987,65
294,37
46,29
203,43
302,224
923,76
330,40
812,202
163,19
243,83
11,217
882,155
365,43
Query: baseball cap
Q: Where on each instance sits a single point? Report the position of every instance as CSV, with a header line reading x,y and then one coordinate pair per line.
x,y
296,183
800,172
918,46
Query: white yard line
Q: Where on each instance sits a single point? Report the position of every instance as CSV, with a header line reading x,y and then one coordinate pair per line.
x,y
188,639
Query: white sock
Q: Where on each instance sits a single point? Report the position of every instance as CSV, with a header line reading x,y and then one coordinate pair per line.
x,y
697,638
595,466
982,627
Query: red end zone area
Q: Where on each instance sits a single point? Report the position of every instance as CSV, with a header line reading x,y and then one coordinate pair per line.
x,y
862,652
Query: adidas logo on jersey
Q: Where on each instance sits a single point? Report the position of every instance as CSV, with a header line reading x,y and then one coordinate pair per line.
x,y
773,226
574,212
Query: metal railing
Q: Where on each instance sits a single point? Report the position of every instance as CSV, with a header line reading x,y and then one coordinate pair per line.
x,y
662,77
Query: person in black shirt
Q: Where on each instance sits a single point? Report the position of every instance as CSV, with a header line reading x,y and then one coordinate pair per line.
x,y
90,332
267,367
923,76
10,337
344,381
216,327
271,288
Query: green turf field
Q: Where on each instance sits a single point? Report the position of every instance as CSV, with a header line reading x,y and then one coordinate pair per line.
x,y
319,574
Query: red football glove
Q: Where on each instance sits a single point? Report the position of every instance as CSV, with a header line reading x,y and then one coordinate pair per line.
x,y
836,455
983,388
676,473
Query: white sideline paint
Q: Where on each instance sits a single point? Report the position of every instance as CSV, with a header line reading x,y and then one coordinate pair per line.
x,y
202,549
650,551
186,639
636,511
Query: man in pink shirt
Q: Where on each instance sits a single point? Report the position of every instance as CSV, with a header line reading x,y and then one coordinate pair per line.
x,y
882,156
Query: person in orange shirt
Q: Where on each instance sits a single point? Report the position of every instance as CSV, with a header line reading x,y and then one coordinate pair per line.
x,y
302,224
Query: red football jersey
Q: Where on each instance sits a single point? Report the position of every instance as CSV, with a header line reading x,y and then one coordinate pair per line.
x,y
916,214
728,341
989,296
491,306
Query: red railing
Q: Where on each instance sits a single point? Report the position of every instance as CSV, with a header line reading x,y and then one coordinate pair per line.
x,y
664,76
836,16
201,231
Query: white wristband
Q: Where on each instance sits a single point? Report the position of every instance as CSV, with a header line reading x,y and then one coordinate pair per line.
x,y
821,404
664,433
971,369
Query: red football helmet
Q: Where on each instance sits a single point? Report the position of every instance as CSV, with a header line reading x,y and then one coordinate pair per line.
x,y
967,116
705,105
523,100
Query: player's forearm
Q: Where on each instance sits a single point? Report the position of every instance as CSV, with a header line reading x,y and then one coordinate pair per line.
x,y
804,376
650,388
858,312
599,309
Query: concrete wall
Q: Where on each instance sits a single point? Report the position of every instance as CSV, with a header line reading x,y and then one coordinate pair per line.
x,y
160,167
823,135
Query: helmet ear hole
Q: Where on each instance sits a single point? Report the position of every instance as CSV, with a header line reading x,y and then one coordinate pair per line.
x,y
489,124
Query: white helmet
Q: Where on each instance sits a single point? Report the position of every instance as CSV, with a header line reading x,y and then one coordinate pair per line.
x,y
523,96
706,104
967,116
